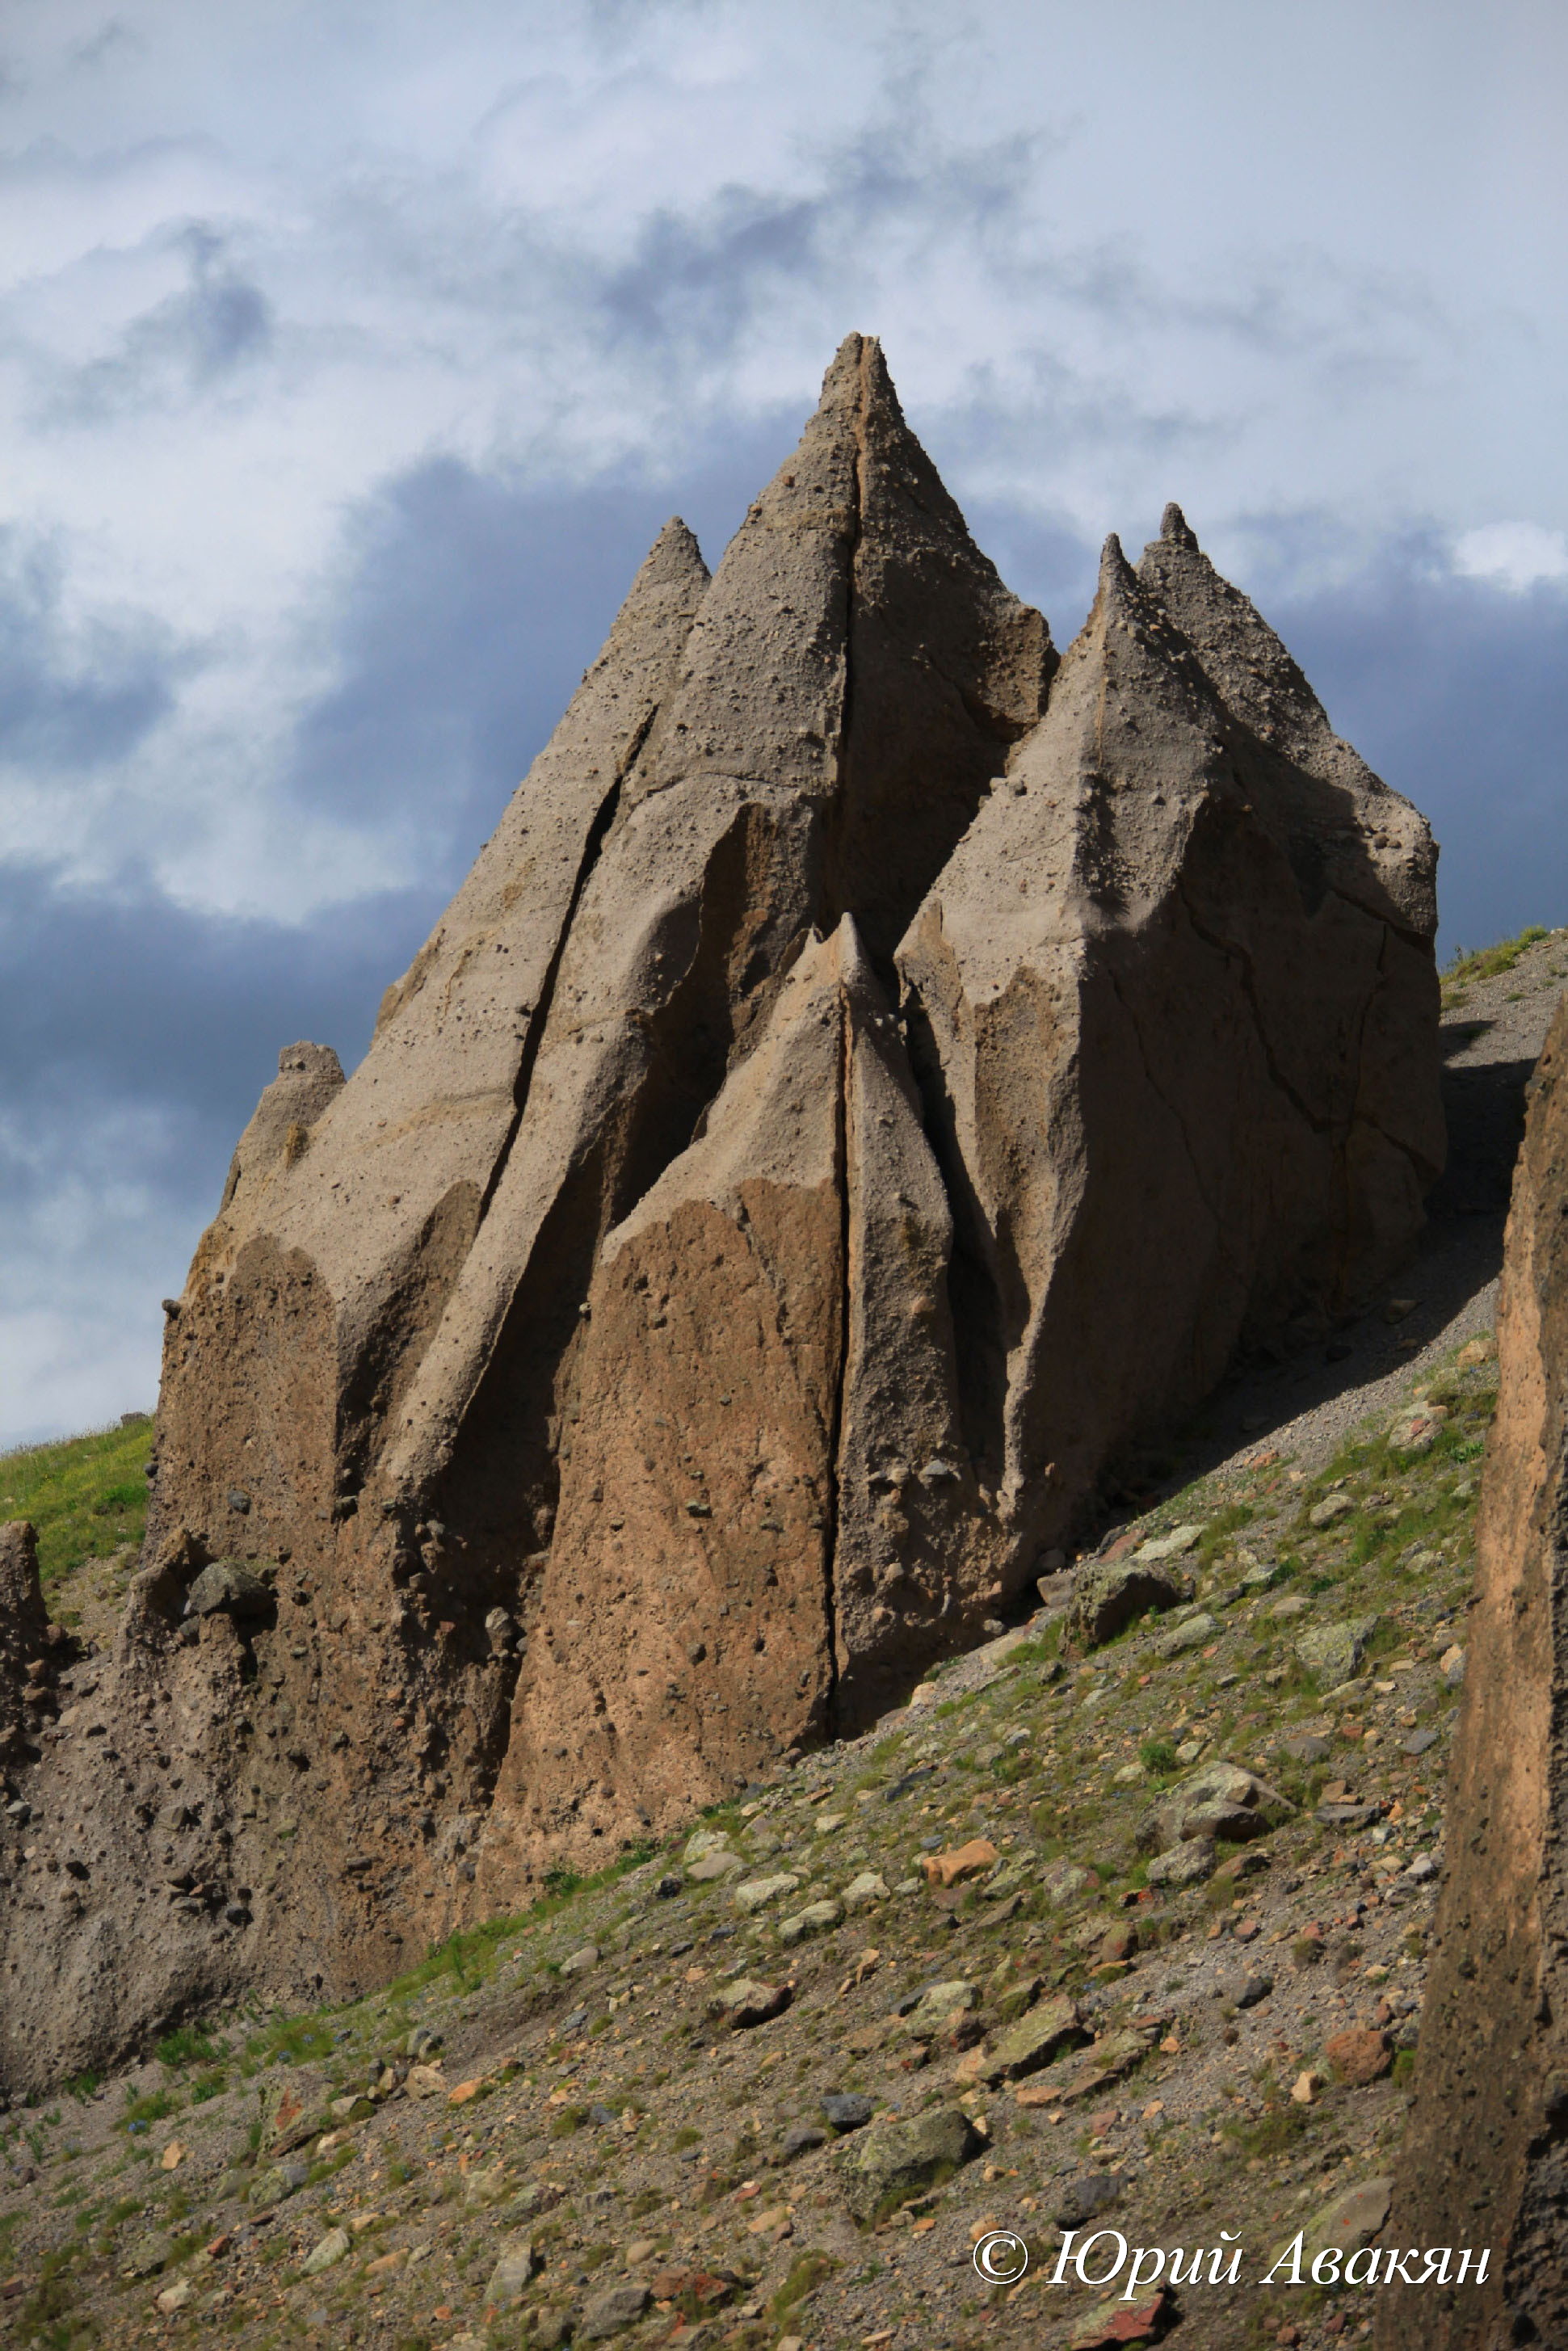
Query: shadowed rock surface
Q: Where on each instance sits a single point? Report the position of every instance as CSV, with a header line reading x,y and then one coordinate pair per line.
x,y
846,1097
1486,2156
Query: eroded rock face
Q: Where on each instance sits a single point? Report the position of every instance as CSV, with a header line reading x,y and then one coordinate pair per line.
x,y
1485,2161
1153,1001
847,1096
764,1531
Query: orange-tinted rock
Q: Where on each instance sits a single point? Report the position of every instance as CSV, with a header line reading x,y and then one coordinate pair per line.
x,y
963,1861
1358,2056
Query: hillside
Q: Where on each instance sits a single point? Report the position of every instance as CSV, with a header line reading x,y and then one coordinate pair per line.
x,y
87,1496
561,2078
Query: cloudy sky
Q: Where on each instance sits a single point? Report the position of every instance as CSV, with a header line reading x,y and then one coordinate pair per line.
x,y
350,354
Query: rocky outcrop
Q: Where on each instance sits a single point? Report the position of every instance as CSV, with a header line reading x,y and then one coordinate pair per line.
x,y
24,1675
1173,1010
1485,2161
852,1092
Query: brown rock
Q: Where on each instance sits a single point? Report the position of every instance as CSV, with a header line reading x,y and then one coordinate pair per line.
x,y
1483,2156
1359,2055
757,1346
1139,1181
630,1370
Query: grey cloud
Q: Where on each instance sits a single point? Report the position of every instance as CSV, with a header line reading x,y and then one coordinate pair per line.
x,y
217,324
464,613
74,697
1456,691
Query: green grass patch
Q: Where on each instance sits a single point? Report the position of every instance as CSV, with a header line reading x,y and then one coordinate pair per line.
x,y
189,2046
155,2109
85,1495
806,2272
292,2041
1489,963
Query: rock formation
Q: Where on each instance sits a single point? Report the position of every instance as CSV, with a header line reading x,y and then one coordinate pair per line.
x,y
1173,1008
869,1075
1486,2155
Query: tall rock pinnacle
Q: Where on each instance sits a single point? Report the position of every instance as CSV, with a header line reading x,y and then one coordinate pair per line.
x,y
869,1072
1180,1091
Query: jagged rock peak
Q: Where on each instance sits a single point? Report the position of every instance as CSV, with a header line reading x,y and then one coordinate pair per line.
x,y
1175,526
1347,826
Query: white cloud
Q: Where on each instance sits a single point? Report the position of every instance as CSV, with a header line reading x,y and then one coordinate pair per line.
x,y
1512,555
255,265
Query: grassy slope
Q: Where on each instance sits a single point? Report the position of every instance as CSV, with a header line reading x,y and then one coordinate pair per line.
x,y
1487,962
86,1495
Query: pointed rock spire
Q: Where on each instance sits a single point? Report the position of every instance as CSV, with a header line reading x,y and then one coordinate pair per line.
x,y
1173,527
855,564
1141,867
1342,826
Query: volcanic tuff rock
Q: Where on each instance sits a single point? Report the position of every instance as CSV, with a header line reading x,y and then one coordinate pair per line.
x,y
1172,1007
848,1097
1486,2155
